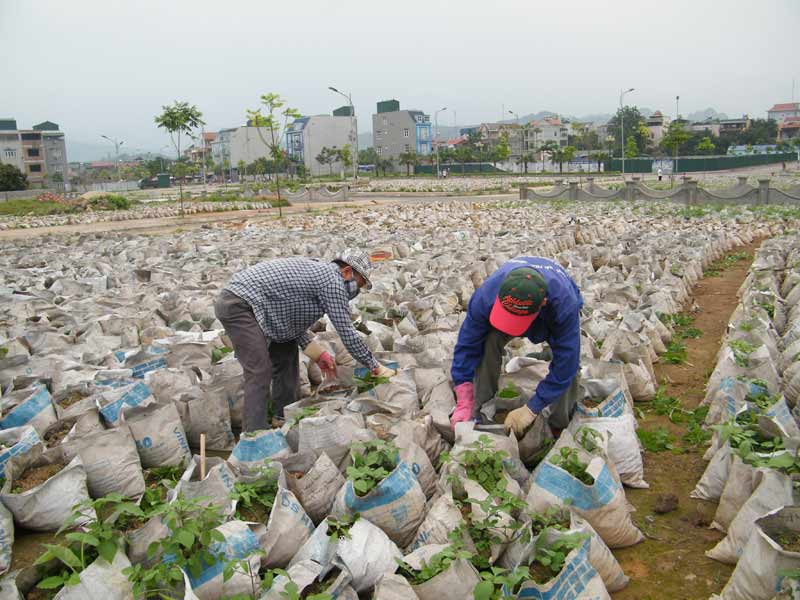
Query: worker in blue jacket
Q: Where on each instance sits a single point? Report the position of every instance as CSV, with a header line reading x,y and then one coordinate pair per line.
x,y
527,296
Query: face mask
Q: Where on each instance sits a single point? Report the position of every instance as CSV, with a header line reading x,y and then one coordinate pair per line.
x,y
351,287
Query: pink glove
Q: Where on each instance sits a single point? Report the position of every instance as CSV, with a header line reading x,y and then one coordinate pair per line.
x,y
327,365
464,402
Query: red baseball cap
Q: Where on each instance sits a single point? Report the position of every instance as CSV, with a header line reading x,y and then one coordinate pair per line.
x,y
519,301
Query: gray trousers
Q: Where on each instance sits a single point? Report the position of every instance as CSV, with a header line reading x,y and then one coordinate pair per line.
x,y
265,363
487,376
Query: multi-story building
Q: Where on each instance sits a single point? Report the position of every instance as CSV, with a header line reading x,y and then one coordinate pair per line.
x,y
780,111
40,153
307,136
493,133
221,146
657,125
396,131
198,152
734,125
709,126
549,129
788,129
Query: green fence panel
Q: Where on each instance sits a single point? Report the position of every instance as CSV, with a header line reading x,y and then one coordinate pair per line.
x,y
693,164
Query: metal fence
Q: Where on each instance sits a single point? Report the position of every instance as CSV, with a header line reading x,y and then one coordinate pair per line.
x,y
694,164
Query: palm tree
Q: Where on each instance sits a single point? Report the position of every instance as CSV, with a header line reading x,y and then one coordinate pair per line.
x,y
409,159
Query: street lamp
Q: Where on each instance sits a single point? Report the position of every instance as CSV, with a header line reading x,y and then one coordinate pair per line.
x,y
353,128
622,127
677,118
436,136
522,142
117,144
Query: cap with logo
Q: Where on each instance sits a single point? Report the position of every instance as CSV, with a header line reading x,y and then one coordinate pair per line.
x,y
518,302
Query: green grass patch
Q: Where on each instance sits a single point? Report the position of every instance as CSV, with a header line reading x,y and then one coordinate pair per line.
x,y
36,208
676,353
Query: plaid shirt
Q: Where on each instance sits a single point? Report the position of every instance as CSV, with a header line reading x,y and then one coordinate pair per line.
x,y
289,295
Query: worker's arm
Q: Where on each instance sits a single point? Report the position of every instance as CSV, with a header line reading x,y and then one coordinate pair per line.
x,y
471,339
304,340
335,303
565,343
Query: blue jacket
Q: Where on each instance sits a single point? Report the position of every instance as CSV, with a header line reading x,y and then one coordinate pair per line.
x,y
558,324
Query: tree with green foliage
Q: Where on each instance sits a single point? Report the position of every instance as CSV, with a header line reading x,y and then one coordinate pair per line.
x,y
12,179
549,148
676,136
326,156
501,151
631,121
463,154
178,118
631,148
562,155
274,108
706,146
408,159
345,156
367,156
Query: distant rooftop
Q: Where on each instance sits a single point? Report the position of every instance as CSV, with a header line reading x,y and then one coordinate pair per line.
x,y
785,106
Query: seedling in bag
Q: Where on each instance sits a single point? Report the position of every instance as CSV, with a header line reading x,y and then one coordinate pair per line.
x,y
438,563
568,459
368,381
510,391
98,539
496,581
340,528
187,547
549,559
254,499
373,461
483,465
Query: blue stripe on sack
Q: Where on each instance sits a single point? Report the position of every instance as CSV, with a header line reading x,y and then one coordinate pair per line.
x,y
113,383
237,545
779,411
26,411
133,397
259,448
142,369
726,384
613,407
25,443
563,485
570,583
390,489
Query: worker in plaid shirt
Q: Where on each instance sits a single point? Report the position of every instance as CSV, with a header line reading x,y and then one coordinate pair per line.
x,y
267,310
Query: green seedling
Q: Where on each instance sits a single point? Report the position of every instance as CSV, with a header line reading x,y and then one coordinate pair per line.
x,y
510,391
438,563
340,528
192,533
217,354
567,459
496,580
97,538
308,411
291,590
484,464
368,381
741,351
548,560
373,461
254,499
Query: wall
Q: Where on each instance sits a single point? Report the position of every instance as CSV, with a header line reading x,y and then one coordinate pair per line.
x,y
393,142
327,131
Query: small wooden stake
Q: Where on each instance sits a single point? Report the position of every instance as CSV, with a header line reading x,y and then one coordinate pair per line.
x,y
202,456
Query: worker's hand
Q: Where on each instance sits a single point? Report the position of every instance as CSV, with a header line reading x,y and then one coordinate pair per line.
x,y
327,365
381,371
314,350
465,400
519,419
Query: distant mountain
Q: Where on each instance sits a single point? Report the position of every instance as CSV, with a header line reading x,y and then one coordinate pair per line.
x,y
708,113
78,151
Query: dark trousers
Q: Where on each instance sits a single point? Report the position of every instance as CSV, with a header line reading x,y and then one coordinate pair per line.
x,y
265,363
487,376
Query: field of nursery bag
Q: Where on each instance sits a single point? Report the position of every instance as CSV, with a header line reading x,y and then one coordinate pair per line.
x,y
124,473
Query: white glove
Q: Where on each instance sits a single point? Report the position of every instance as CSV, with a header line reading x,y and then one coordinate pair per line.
x,y
381,371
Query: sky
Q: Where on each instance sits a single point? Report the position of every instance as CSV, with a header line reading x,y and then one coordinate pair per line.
x,y
107,67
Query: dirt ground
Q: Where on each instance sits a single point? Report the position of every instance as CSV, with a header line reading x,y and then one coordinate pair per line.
x,y
670,563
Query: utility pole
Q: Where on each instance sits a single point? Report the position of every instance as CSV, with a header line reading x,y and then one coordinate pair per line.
x,y
436,136
353,129
622,127
117,144
677,117
520,134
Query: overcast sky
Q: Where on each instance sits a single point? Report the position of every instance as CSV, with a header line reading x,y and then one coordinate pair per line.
x,y
107,66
